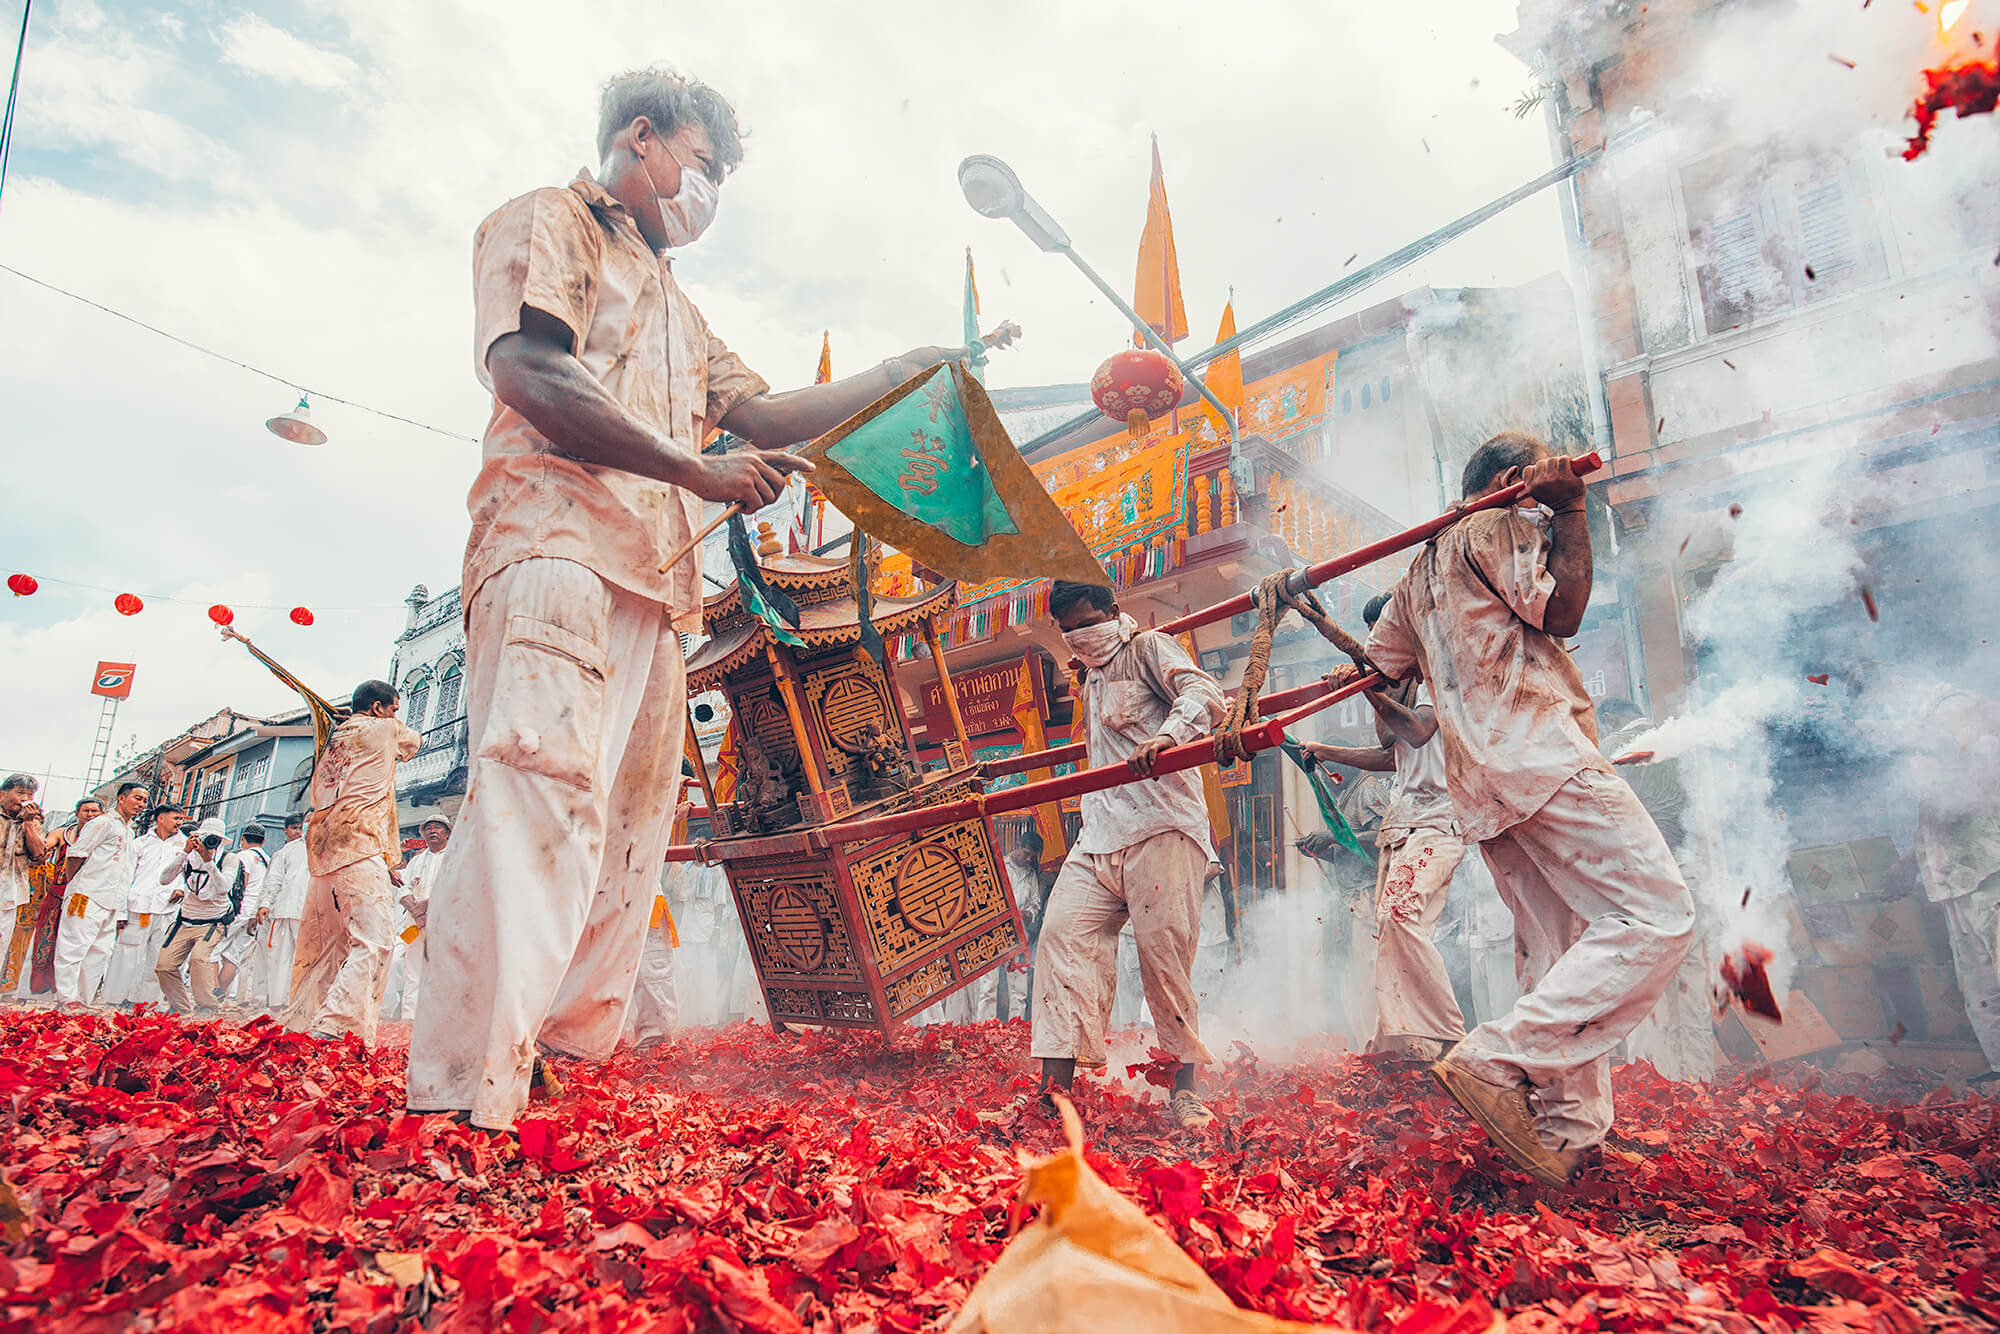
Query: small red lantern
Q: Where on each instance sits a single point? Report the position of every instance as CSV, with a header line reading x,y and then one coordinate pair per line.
x,y
220,614
128,604
301,616
21,585
1135,386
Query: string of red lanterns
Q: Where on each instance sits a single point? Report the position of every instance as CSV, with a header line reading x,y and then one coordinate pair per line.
x,y
23,585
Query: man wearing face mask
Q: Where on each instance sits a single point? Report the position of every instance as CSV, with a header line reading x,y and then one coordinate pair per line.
x,y
1141,855
606,382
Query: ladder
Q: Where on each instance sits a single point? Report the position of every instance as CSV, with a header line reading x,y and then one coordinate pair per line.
x,y
100,749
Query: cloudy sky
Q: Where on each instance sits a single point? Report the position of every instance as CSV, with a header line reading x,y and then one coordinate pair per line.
x,y
297,185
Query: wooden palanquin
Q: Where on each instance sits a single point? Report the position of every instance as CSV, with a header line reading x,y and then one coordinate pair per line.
x,y
861,934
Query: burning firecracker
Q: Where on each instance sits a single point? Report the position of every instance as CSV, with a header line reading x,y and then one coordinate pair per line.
x,y
1972,88
195,1177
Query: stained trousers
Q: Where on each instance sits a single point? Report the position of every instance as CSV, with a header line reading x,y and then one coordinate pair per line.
x,y
1156,884
342,964
190,945
575,701
1974,921
1602,920
1413,994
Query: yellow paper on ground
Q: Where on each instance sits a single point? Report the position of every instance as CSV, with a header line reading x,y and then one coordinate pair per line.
x,y
1093,1263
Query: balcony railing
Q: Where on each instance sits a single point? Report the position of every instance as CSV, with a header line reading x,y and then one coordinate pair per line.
x,y
444,751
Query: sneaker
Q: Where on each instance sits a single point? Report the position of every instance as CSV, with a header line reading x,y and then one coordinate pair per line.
x,y
1502,1111
1188,1111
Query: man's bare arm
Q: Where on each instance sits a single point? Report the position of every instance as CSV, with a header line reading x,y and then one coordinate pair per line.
x,y
535,374
36,838
1554,483
1375,759
1411,726
772,421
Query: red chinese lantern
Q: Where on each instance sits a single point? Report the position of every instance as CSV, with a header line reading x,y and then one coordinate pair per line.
x,y
1135,386
301,616
128,604
21,585
220,614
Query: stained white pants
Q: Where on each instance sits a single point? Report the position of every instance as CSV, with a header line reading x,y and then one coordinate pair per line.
x,y
1156,884
1413,995
83,949
1974,920
575,701
282,944
343,952
406,978
656,1006
129,979
1602,920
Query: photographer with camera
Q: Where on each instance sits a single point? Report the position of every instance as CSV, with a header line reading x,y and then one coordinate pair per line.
x,y
207,873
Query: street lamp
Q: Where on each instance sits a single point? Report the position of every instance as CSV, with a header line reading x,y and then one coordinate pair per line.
x,y
994,191
296,426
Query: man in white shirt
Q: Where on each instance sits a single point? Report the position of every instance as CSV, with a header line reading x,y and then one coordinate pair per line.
x,y
1417,850
281,909
129,980
100,866
407,964
1141,855
206,872
240,951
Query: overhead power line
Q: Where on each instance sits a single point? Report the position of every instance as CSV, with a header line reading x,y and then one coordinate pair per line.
x,y
320,394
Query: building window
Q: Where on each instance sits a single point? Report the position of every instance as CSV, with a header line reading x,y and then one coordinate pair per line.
x,y
1769,237
416,698
1346,401
1367,396
1385,389
250,774
448,687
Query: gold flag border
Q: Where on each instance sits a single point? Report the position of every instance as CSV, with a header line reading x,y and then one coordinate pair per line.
x,y
1047,545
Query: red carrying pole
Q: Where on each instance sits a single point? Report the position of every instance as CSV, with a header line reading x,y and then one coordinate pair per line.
x,y
1315,575
1258,737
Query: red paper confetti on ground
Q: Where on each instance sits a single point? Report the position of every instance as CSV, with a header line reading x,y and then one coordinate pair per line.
x,y
1750,983
1971,89
201,1178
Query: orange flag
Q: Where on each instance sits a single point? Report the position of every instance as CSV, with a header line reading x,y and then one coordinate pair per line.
x,y
1156,291
1028,717
1225,373
824,375
728,761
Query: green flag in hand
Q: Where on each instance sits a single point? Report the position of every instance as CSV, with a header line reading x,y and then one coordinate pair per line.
x,y
1322,787
929,470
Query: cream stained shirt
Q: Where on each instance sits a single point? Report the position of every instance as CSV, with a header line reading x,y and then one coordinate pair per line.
x,y
111,851
1149,688
576,255
354,794
1512,712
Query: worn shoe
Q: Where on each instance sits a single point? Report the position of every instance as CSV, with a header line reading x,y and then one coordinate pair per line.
x,y
1188,1111
1502,1111
544,1081
1043,1102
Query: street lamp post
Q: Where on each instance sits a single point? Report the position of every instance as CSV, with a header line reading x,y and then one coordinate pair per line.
x,y
994,191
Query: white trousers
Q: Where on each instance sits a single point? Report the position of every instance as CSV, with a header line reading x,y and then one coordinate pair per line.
x,y
343,952
129,979
1602,920
406,978
83,949
575,701
1156,884
656,1005
1413,995
282,946
1974,920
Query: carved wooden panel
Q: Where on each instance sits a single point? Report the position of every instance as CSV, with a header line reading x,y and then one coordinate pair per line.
x,y
793,1002
842,697
851,1005
915,895
766,719
913,992
987,946
795,927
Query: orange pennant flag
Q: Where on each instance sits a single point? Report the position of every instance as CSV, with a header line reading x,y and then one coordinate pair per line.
x,y
1028,717
1225,373
1156,291
824,375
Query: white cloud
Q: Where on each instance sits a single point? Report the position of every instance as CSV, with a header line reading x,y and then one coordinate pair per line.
x,y
251,43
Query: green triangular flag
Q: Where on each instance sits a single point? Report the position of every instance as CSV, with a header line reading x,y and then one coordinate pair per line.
x,y
929,470
1322,787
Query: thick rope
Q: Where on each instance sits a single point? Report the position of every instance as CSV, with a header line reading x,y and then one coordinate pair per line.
x,y
1272,598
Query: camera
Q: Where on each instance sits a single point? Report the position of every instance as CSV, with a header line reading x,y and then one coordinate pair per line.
x,y
211,840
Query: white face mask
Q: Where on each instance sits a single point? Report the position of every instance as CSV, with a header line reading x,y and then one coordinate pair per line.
x,y
1096,644
687,213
